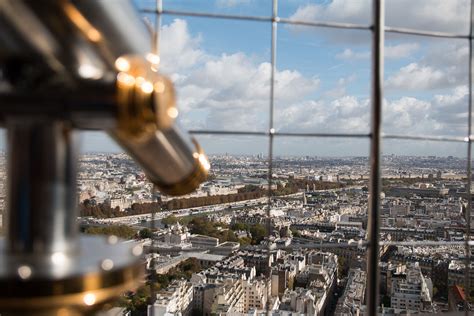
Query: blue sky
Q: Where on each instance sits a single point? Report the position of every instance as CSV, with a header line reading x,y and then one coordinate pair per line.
x,y
221,71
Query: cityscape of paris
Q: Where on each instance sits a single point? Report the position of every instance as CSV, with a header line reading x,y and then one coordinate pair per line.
x,y
287,234
215,252
236,157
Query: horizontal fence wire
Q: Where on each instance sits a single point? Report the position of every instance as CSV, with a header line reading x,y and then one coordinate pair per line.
x,y
452,139
277,134
407,31
233,133
327,24
428,138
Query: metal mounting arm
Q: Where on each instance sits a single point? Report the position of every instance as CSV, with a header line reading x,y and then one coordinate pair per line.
x,y
78,64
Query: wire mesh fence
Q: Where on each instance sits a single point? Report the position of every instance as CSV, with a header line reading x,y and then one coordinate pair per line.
x,y
378,29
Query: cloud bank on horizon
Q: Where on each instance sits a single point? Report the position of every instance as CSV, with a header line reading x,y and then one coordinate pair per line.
x,y
222,70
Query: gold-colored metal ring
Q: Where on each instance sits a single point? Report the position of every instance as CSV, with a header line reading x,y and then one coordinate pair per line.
x,y
146,100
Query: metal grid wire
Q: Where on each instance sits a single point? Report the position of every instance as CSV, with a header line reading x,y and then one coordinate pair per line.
x,y
378,30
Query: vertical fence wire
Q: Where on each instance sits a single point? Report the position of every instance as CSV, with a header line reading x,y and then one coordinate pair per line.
x,y
271,131
468,214
153,259
373,225
156,36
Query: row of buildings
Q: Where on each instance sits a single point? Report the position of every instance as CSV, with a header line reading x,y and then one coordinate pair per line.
x,y
252,281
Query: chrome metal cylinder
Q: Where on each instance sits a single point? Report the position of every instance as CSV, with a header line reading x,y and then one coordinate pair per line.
x,y
41,187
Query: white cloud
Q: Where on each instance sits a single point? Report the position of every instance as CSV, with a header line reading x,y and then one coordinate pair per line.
x,y
445,62
213,90
237,77
442,115
350,54
447,54
231,3
452,109
190,96
178,49
445,65
417,77
395,51
237,87
405,114
345,114
459,93
401,50
230,91
340,89
452,59
292,85
337,10
437,15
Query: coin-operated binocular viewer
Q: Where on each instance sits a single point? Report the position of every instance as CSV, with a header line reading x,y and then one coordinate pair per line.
x,y
65,65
